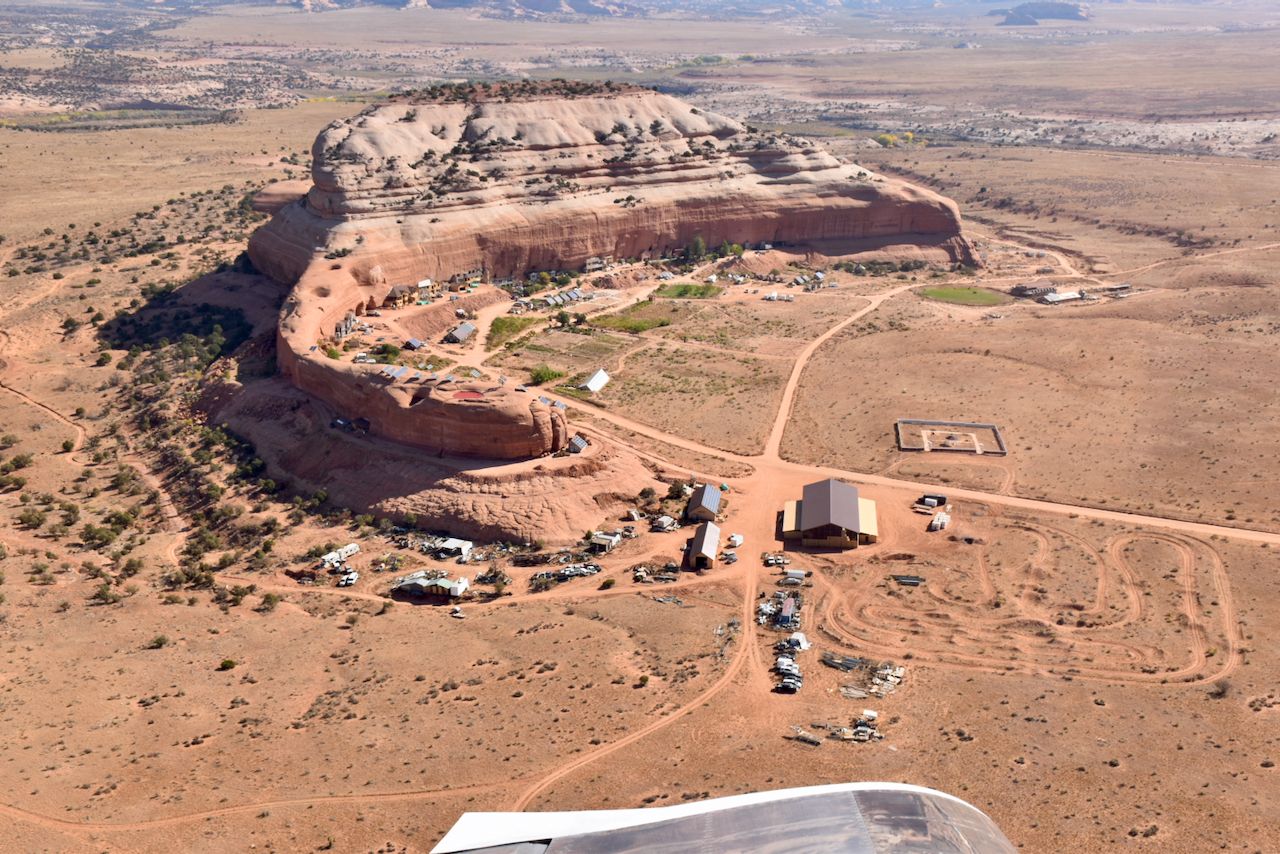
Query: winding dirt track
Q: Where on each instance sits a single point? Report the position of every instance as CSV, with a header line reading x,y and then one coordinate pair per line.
x,y
744,644
169,821
849,617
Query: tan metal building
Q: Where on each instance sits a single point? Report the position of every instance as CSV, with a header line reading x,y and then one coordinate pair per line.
x,y
704,546
830,514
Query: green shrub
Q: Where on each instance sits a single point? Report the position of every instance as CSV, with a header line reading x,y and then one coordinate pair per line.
x,y
504,329
544,374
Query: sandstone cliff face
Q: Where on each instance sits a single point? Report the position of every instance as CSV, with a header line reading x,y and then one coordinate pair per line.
x,y
406,191
553,500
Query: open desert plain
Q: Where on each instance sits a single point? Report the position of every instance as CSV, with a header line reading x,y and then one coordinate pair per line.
x,y
410,409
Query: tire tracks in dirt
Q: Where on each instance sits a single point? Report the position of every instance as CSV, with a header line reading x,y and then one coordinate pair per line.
x,y
62,824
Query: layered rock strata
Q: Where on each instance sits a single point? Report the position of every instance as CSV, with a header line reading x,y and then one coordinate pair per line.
x,y
507,185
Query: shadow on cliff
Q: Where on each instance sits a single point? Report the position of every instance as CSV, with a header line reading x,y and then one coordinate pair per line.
x,y
198,321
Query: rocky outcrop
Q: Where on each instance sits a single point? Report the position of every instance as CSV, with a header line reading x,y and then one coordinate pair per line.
x,y
552,500
509,181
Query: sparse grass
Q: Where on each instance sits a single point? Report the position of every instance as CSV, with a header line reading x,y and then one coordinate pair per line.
x,y
688,290
965,296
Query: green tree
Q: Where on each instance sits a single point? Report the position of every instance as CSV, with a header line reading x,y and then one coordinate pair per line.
x,y
697,250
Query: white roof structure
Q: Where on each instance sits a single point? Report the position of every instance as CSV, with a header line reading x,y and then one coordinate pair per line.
x,y
876,818
1065,296
609,541
419,584
453,544
596,381
706,541
339,555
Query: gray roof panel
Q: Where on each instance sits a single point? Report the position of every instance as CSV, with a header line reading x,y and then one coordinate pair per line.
x,y
705,496
830,502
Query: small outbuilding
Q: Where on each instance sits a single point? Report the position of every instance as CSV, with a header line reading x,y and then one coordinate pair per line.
x,y
704,504
454,547
596,381
603,543
422,584
461,333
663,524
704,546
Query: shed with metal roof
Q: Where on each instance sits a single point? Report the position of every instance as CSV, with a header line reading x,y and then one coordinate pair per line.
x,y
461,333
704,546
704,504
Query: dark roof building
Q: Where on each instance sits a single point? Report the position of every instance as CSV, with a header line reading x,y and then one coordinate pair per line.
x,y
830,513
401,295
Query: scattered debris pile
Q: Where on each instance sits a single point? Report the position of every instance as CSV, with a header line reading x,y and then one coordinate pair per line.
x,y
781,610
547,579
879,680
863,728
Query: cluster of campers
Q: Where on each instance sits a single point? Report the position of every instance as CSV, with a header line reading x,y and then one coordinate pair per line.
x,y
335,562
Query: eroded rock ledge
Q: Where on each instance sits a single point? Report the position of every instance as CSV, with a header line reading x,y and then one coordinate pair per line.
x,y
518,178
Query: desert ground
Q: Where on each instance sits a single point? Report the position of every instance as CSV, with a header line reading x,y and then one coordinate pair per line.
x,y
1087,660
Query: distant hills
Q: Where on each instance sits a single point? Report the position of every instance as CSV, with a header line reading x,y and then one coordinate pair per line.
x,y
623,8
1030,14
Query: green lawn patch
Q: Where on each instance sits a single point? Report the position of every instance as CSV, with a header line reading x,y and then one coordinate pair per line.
x,y
506,328
629,322
687,290
965,296
544,374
